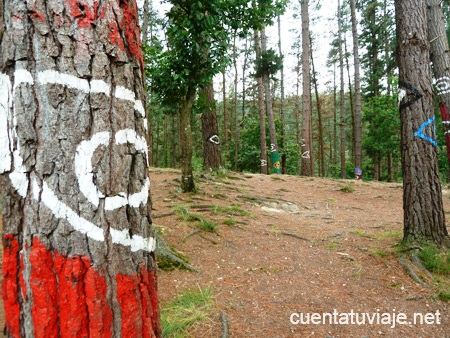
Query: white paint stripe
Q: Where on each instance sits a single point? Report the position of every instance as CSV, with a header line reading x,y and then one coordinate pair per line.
x,y
18,177
71,81
5,105
22,76
124,94
443,92
141,197
62,211
401,95
445,122
116,202
136,242
83,166
139,107
100,86
130,136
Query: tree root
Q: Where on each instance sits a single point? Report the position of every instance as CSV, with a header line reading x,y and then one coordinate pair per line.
x,y
295,236
224,319
168,259
416,270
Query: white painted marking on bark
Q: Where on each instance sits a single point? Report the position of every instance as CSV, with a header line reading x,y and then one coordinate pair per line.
x,y
130,136
136,242
141,197
22,76
18,177
71,81
443,85
62,211
100,86
5,105
401,95
139,107
83,166
124,94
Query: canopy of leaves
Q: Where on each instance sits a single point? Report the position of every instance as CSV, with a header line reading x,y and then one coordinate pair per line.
x,y
269,63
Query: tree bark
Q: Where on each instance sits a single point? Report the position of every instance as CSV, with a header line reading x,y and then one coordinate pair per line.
x,y
235,106
307,155
212,158
261,109
78,240
275,157
282,113
441,65
358,104
187,179
422,201
342,98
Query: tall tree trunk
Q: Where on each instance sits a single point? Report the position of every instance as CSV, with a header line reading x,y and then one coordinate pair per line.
x,y
225,114
261,109
319,117
187,179
335,118
358,104
212,158
275,157
350,93
282,113
342,97
441,66
422,197
307,155
235,107
78,241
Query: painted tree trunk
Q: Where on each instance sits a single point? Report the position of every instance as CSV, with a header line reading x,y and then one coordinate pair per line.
x,y
358,105
274,155
212,158
422,198
307,158
261,109
78,242
441,65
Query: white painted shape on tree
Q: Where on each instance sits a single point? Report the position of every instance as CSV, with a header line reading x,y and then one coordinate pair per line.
x,y
401,95
130,136
5,104
62,211
100,86
124,94
22,76
136,242
141,197
116,202
18,177
71,81
83,166
443,85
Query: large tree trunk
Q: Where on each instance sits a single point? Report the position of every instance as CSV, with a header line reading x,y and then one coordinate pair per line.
x,y
212,158
78,241
307,156
261,109
274,155
342,98
358,105
441,65
422,198
187,179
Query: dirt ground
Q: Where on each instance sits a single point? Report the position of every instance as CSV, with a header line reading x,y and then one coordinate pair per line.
x,y
307,245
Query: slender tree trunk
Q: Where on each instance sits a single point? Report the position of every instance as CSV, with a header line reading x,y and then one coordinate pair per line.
x,y
225,114
441,66
187,179
342,97
358,104
212,158
351,98
424,217
319,117
78,242
235,110
156,145
275,157
166,141
307,155
335,118
173,141
298,131
282,113
261,109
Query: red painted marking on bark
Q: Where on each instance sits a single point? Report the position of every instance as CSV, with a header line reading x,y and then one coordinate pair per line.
x,y
86,14
45,291
128,297
73,312
100,315
37,15
10,290
149,299
132,32
23,287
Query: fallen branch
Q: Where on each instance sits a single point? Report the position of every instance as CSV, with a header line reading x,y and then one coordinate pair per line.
x,y
163,215
295,236
195,232
224,319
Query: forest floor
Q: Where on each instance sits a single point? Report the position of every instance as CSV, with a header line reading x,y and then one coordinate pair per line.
x,y
287,244
307,245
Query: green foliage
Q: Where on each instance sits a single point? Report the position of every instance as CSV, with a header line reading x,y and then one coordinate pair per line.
x,y
198,220
190,307
435,259
269,63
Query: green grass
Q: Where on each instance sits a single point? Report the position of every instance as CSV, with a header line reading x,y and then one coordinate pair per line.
x,y
436,260
187,309
198,220
230,210
332,245
347,188
230,222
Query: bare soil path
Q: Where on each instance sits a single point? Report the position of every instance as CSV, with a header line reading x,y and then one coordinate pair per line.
x,y
308,245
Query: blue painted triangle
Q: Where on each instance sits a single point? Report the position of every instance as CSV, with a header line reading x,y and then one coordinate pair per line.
x,y
419,132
